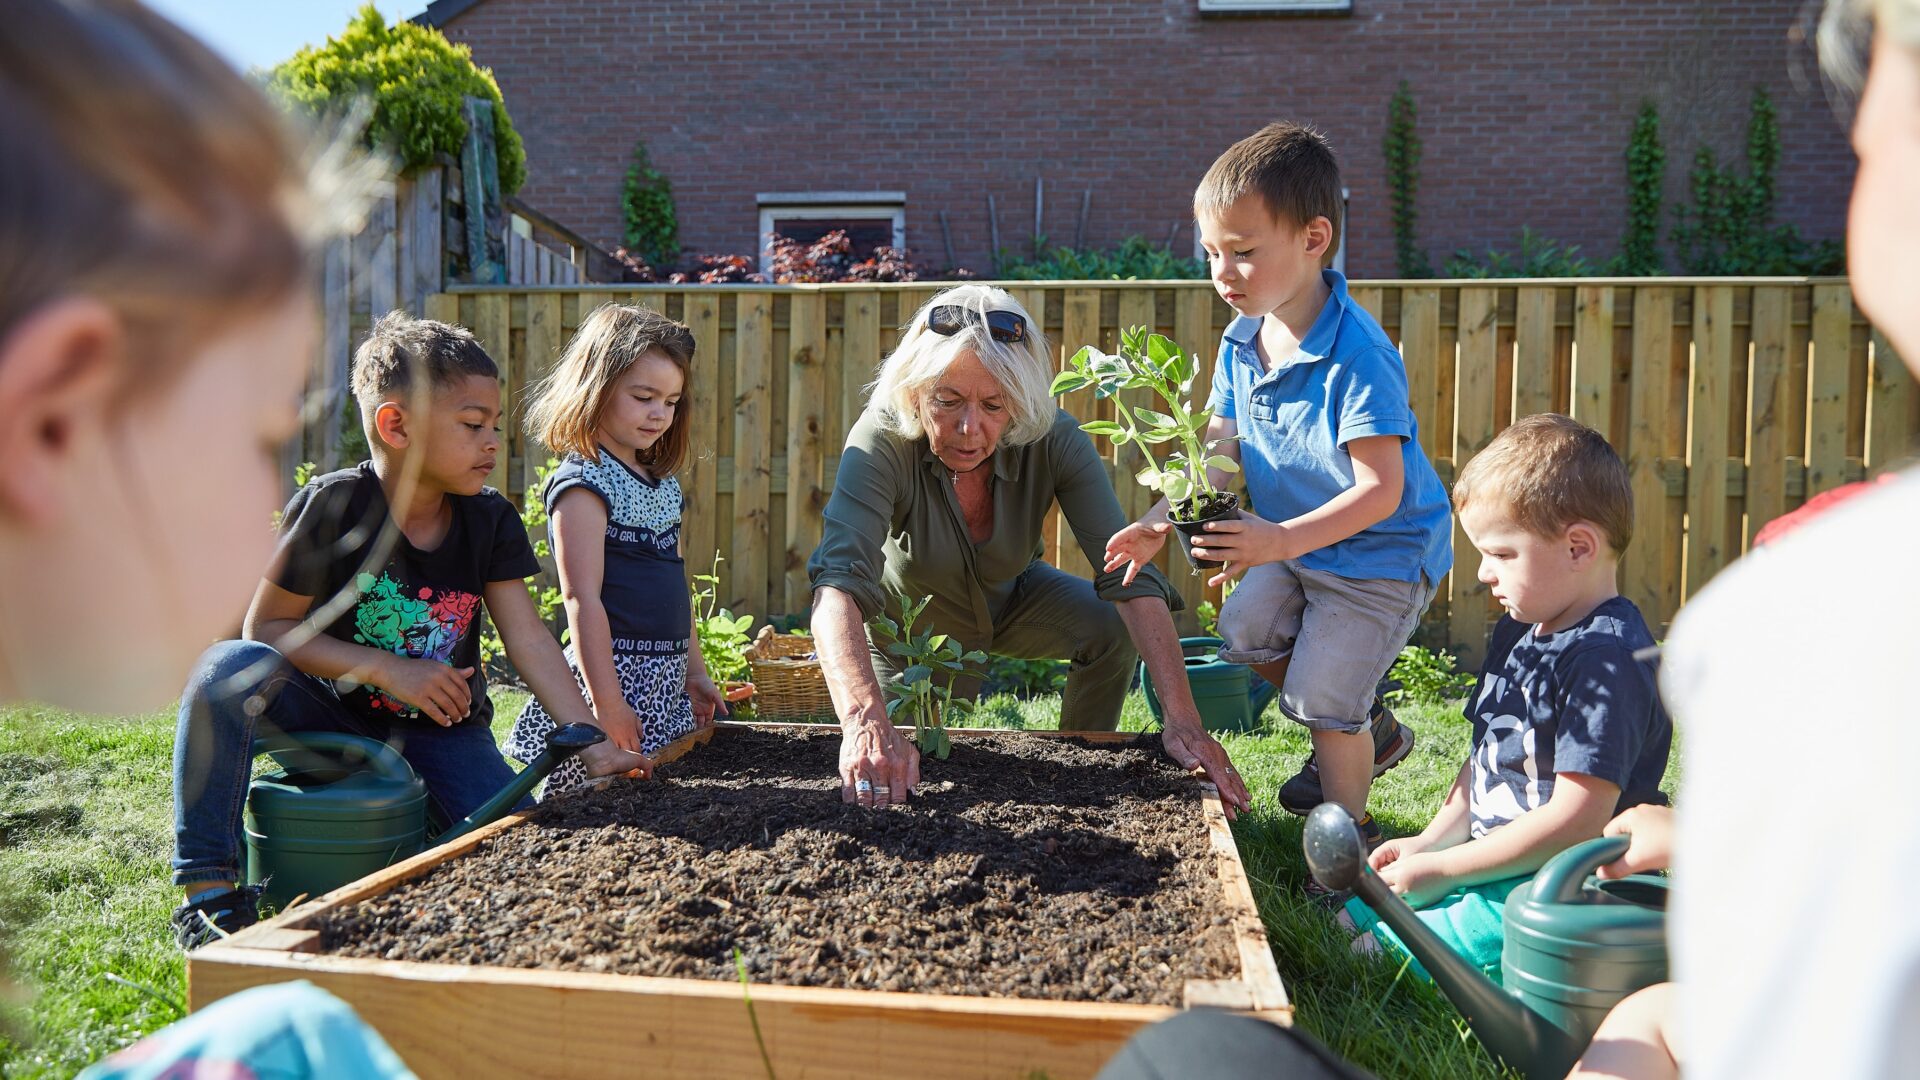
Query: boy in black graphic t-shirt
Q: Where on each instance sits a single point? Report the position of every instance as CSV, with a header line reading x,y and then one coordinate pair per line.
x,y
1568,729
369,620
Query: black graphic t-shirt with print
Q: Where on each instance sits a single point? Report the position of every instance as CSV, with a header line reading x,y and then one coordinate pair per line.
x,y
425,604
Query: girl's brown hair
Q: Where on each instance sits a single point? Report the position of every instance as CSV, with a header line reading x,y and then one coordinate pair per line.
x,y
565,415
142,171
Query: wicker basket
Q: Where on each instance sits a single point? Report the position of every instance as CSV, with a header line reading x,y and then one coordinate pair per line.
x,y
788,683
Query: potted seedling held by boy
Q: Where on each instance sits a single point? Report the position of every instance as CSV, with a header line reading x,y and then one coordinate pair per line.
x,y
1149,361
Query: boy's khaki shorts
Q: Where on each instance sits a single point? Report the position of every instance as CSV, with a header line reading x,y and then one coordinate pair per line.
x,y
1342,633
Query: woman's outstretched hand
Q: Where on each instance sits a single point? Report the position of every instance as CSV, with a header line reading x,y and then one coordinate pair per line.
x,y
878,765
1134,547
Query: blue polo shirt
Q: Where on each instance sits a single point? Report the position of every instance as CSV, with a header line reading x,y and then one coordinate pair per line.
x,y
1345,382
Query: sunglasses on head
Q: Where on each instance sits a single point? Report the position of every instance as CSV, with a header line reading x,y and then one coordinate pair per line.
x,y
948,319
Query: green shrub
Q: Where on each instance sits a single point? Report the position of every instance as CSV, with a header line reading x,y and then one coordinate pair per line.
x,y
1135,259
646,201
1401,145
1428,676
546,598
723,635
1728,229
417,81
1538,257
1023,678
1646,177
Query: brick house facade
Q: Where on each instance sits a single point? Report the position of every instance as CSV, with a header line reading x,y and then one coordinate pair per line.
x,y
1524,109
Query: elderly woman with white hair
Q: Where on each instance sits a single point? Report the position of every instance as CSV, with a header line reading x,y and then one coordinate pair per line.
x,y
945,483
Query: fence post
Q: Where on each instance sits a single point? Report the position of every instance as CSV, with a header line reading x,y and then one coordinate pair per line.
x,y
480,172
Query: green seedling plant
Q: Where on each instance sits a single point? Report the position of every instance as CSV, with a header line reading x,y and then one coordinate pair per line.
x,y
919,693
1149,361
723,635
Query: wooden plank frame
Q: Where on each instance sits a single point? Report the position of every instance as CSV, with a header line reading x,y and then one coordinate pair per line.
x,y
457,1020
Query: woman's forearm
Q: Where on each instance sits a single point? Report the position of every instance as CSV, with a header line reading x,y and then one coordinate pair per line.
x,y
839,635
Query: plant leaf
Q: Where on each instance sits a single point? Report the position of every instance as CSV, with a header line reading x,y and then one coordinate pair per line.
x,y
1223,463
1175,486
1108,428
1069,381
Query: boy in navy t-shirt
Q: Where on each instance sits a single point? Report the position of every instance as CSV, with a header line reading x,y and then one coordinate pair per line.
x,y
1568,729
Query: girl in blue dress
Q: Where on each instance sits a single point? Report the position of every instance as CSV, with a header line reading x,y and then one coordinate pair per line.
x,y
614,409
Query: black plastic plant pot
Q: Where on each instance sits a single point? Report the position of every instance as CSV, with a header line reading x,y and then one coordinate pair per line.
x,y
1228,507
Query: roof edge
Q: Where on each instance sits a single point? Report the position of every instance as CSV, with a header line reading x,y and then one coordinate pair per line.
x,y
441,12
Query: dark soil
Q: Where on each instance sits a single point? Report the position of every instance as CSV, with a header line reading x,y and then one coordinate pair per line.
x,y
1023,867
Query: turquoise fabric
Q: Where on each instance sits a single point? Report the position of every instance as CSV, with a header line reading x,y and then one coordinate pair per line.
x,y
289,1031
1471,921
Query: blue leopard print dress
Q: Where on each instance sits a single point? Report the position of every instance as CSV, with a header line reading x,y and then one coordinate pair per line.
x,y
644,589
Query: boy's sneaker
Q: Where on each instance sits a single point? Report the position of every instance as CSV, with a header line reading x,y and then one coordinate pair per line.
x,y
1333,899
213,917
1392,742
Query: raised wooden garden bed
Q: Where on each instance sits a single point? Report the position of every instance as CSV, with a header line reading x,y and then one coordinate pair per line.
x,y
483,1015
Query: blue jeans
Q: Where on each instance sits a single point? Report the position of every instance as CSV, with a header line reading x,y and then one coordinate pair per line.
x,y
241,689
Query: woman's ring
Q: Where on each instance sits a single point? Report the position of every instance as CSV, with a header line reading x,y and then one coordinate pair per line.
x,y
863,785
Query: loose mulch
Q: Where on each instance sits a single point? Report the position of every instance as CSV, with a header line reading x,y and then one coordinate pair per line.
x,y
1023,867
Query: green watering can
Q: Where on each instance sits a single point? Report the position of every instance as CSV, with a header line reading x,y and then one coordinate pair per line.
x,y
1221,690
1574,946
341,806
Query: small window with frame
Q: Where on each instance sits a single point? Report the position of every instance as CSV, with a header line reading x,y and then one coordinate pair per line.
x,y
871,219
1276,7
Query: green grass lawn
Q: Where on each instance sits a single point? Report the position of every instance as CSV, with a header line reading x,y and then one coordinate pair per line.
x,y
86,830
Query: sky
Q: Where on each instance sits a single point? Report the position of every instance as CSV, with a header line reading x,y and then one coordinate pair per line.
x,y
261,33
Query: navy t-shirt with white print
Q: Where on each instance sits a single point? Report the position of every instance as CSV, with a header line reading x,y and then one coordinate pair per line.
x,y
1575,701
643,584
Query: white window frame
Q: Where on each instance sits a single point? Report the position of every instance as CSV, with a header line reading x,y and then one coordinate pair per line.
x,y
1242,7
1339,253
818,205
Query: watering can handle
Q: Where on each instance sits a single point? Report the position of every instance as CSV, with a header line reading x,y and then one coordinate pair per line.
x,y
321,750
1564,875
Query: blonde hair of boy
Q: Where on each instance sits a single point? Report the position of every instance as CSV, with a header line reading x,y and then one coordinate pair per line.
x,y
1548,471
565,416
1292,168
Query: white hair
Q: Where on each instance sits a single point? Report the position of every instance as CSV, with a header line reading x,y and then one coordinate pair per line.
x,y
1846,26
1023,369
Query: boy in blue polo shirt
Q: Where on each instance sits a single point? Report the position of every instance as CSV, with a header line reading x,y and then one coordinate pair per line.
x,y
1352,531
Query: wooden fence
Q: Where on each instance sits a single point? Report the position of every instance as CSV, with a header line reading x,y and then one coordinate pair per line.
x,y
413,244
1730,400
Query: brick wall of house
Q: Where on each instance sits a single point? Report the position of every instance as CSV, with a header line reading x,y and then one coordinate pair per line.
x,y
1525,108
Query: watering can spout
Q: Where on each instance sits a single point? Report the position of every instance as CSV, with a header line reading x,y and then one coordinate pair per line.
x,y
563,742
1337,856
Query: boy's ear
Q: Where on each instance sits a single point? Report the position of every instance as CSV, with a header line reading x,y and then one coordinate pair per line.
x,y
1584,541
390,425
59,369
1319,233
